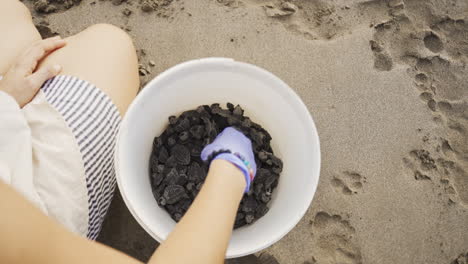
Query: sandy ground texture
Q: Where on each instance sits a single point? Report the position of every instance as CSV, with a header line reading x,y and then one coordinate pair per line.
x,y
386,83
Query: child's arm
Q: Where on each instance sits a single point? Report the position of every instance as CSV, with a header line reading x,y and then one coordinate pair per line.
x,y
203,234
28,236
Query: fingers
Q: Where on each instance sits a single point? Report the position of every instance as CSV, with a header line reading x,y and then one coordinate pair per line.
x,y
46,46
38,78
38,51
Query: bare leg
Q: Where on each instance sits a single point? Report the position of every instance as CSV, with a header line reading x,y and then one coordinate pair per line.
x,y
105,56
17,32
102,54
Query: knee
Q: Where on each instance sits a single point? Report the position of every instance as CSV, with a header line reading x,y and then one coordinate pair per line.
x,y
16,8
111,34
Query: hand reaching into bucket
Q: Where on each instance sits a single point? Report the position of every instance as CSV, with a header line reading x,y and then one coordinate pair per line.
x,y
233,146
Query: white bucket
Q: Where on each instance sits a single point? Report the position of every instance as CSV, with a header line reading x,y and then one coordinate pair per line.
x,y
266,99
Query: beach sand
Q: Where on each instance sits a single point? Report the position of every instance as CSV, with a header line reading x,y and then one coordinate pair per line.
x,y
387,85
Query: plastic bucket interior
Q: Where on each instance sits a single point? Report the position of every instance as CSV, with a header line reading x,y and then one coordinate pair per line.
x,y
266,99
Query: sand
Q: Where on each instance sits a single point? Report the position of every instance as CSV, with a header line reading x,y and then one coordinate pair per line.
x,y
387,85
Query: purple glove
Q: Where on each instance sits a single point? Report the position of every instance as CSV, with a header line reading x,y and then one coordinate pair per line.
x,y
236,148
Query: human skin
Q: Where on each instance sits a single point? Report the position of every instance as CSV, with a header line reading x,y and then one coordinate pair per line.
x,y
202,236
102,54
29,236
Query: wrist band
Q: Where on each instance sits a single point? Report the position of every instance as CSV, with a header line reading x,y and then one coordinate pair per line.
x,y
247,164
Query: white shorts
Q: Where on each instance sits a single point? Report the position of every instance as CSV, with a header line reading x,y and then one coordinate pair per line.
x,y
94,120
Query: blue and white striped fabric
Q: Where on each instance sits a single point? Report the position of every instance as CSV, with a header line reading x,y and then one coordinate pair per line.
x,y
94,120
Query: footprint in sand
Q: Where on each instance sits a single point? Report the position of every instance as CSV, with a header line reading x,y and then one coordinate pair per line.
x,y
442,82
455,31
348,182
421,163
455,180
433,43
318,19
334,240
436,59
382,60
451,176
